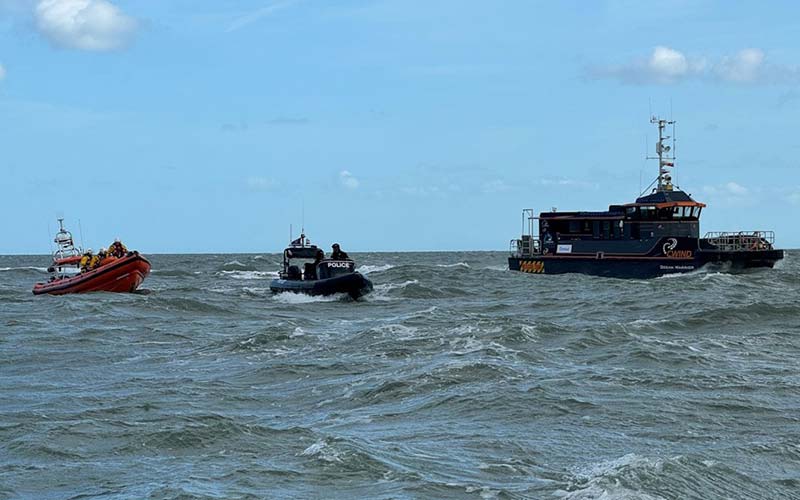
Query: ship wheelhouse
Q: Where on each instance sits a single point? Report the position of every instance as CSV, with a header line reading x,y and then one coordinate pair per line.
x,y
632,228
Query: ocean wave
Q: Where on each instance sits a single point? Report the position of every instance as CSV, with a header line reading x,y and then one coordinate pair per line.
x,y
634,476
301,298
383,291
257,291
366,269
24,269
175,273
457,264
249,275
187,305
235,265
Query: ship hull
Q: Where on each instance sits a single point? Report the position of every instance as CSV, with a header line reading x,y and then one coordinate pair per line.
x,y
353,284
642,267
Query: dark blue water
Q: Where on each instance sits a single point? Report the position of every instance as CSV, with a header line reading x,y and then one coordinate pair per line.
x,y
454,379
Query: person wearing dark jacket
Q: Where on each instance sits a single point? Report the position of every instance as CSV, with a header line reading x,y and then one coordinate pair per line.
x,y
338,254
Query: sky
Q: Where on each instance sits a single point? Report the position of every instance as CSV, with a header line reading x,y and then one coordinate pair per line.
x,y
190,126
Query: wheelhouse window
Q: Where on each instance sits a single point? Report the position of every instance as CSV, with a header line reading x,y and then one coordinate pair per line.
x,y
685,213
647,212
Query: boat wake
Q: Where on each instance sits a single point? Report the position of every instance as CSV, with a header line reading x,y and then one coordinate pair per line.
x,y
249,275
300,298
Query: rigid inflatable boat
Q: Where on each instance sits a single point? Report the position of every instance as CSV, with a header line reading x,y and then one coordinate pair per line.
x,y
318,276
123,274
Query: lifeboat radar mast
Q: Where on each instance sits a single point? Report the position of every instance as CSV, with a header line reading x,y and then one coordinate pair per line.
x,y
65,247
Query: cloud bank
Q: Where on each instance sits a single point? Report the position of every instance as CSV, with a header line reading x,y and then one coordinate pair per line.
x,y
2,73
667,66
93,25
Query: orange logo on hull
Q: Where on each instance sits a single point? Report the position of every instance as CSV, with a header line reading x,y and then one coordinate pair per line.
x,y
680,254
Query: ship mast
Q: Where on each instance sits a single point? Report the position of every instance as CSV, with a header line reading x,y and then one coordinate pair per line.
x,y
666,160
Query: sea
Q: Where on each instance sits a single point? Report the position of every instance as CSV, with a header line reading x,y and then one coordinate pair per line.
x,y
455,378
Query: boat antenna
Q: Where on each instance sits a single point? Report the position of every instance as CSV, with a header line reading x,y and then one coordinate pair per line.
x,y
48,235
80,229
666,161
290,233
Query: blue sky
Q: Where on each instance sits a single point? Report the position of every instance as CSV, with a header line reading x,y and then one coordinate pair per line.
x,y
199,126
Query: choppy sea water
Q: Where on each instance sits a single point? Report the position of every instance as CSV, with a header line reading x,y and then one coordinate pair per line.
x,y
455,379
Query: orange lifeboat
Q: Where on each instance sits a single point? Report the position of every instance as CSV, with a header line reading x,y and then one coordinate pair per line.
x,y
123,274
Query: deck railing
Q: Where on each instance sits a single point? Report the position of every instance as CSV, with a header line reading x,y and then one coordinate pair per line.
x,y
525,246
741,241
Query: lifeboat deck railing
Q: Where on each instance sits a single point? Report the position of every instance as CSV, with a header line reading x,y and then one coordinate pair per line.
x,y
741,241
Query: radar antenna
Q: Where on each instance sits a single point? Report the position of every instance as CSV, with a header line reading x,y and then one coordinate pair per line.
x,y
665,152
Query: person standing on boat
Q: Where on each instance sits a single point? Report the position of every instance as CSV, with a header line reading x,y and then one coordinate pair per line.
x,y
94,262
86,260
338,254
117,249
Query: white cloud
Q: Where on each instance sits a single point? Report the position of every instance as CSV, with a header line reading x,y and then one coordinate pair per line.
x,y
734,188
743,67
347,180
667,66
663,66
95,25
2,72
667,63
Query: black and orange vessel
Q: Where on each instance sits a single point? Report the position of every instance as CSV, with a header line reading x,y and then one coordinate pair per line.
x,y
657,234
114,274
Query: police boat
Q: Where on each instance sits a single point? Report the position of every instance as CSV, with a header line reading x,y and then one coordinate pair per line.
x,y
658,234
318,276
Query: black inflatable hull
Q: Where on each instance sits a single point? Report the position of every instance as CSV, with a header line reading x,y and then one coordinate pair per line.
x,y
644,267
355,285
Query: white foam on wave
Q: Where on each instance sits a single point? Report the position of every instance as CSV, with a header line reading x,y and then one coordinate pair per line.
x,y
24,268
601,480
381,292
301,298
323,451
258,292
249,275
644,323
366,269
398,331
234,263
457,264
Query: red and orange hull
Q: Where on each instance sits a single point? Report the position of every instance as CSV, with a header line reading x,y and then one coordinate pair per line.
x,y
120,275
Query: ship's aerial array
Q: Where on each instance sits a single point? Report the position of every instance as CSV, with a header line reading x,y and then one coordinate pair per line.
x,y
657,234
